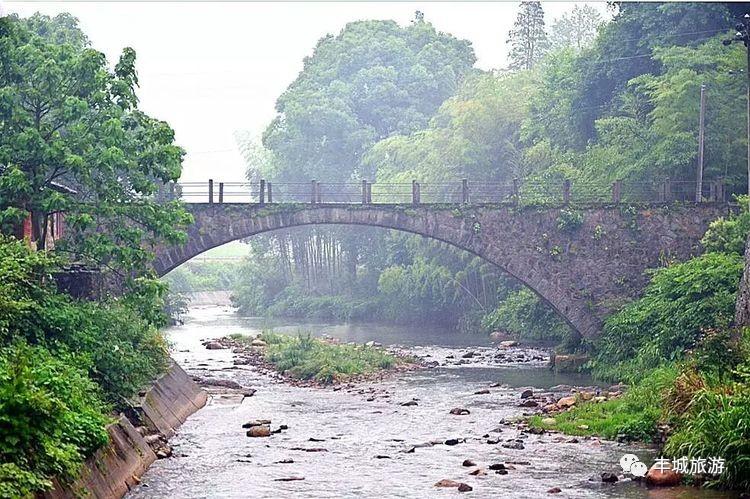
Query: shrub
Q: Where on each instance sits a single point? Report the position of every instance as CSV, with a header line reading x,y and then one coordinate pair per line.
x,y
634,416
679,303
525,316
305,357
569,220
118,337
51,418
717,424
728,235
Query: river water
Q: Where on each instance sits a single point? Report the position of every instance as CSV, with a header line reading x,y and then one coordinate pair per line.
x,y
365,430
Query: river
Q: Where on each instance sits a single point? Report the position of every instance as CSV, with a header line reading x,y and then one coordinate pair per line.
x,y
366,432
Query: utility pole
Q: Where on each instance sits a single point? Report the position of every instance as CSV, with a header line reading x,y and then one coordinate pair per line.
x,y
743,35
701,140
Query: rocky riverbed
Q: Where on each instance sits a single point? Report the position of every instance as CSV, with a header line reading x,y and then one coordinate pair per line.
x,y
453,426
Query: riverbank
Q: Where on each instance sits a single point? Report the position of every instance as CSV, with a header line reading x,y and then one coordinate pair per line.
x,y
392,438
137,439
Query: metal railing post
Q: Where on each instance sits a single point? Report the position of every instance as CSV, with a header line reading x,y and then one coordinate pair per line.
x,y
414,192
317,192
369,192
617,191
364,192
464,190
221,192
313,192
515,192
270,192
262,195
210,191
566,191
667,190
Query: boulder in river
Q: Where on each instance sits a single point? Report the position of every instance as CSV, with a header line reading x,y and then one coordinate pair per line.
x,y
508,343
257,422
566,402
529,403
608,477
409,403
478,472
515,445
257,342
259,431
451,441
554,490
224,383
482,392
468,463
527,394
447,483
462,487
215,345
497,466
459,411
658,477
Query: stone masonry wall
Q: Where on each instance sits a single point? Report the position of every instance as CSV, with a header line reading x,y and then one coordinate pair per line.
x,y
585,271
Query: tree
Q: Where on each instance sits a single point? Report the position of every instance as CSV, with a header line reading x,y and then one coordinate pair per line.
x,y
576,28
372,80
72,140
528,39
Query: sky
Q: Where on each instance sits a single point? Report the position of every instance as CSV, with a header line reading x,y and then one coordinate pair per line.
x,y
213,68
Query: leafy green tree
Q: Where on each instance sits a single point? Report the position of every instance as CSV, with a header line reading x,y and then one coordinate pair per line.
x,y
373,79
624,47
73,140
576,28
528,38
476,134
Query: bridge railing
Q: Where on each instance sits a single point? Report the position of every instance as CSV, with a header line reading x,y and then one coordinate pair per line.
x,y
513,193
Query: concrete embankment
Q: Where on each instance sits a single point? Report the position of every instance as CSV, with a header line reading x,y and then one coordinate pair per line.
x,y
154,417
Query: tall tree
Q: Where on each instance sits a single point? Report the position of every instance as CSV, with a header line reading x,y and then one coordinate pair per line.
x,y
73,140
527,39
372,80
576,28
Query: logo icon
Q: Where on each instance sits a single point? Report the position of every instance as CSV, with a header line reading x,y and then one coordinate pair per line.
x,y
631,464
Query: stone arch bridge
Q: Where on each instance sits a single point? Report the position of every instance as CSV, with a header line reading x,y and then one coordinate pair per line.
x,y
584,261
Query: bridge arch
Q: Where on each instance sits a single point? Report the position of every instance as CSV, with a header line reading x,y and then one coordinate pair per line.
x,y
583,270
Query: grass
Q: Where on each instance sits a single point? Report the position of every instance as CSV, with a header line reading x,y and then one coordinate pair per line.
x,y
308,358
634,415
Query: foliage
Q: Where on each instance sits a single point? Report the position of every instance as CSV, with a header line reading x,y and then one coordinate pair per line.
x,y
528,39
576,28
717,424
197,275
305,357
526,317
373,79
51,418
72,139
118,337
633,416
569,220
679,303
729,235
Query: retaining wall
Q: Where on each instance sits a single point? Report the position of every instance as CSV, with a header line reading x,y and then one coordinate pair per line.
x,y
114,469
